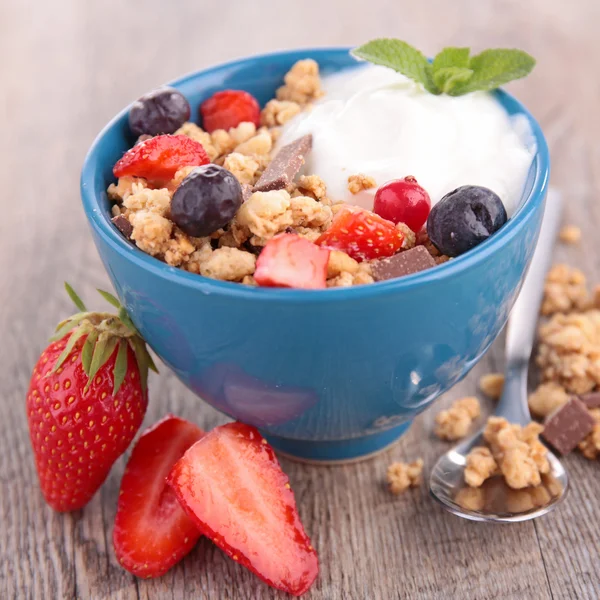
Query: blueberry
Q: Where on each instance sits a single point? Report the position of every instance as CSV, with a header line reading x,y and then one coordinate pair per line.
x,y
206,200
464,218
164,110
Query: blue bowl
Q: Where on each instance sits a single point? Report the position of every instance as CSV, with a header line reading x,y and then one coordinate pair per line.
x,y
326,375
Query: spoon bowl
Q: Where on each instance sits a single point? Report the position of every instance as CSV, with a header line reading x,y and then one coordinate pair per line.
x,y
447,480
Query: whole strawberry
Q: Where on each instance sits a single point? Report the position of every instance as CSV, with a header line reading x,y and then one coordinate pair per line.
x,y
86,400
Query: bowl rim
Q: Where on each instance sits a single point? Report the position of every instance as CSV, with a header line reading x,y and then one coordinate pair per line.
x,y
110,236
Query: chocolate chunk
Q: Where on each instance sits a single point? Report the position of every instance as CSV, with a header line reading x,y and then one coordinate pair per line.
x,y
246,191
410,261
283,168
568,425
123,225
591,399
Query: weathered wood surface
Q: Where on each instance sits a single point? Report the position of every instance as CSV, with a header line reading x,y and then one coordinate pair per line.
x,y
66,67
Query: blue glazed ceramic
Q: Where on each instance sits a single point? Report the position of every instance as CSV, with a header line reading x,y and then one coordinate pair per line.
x,y
326,375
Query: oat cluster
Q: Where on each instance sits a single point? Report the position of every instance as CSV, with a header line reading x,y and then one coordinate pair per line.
x,y
513,451
401,476
454,423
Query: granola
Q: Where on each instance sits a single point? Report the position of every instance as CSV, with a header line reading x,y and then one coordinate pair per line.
x,y
360,182
455,422
401,476
276,196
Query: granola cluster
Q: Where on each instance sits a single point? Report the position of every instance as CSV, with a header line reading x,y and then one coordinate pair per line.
x,y
455,422
513,451
401,476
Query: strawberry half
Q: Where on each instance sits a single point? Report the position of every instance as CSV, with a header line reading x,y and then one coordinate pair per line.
x,y
362,234
160,157
152,532
86,400
288,260
233,488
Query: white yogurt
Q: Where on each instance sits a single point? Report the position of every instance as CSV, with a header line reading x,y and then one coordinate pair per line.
x,y
373,120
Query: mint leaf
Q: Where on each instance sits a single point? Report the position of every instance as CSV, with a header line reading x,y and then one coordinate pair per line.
x,y
401,57
450,77
493,68
451,57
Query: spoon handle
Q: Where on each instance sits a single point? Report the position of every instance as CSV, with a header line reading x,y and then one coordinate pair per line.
x,y
520,332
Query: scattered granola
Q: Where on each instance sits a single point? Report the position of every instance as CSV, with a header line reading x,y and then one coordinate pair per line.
x,y
360,182
455,422
570,234
401,476
546,398
569,350
565,290
492,384
590,445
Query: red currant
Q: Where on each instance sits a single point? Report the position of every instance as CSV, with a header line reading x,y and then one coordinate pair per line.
x,y
403,201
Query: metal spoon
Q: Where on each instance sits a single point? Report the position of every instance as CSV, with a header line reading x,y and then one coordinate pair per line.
x,y
447,476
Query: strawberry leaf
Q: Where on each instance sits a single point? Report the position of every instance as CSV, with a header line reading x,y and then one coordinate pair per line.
x,y
75,298
103,350
120,366
110,299
142,358
88,350
75,336
124,317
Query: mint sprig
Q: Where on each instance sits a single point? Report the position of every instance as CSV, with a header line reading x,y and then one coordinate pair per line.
x,y
453,71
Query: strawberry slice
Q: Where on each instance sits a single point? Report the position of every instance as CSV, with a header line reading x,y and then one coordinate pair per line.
x,y
160,157
232,486
362,234
289,260
152,532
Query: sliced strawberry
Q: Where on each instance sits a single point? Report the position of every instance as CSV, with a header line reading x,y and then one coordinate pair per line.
x,y
362,234
160,157
232,486
229,108
289,260
152,532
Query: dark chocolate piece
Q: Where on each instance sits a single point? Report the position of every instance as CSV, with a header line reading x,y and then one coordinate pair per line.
x,y
246,191
283,168
591,399
568,425
123,225
410,261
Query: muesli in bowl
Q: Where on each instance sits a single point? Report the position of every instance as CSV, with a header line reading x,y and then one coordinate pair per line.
x,y
373,173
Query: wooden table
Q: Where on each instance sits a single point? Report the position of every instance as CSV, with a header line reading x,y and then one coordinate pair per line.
x,y
67,66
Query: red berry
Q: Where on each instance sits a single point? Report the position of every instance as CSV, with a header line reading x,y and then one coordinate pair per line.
x,y
233,488
79,424
289,260
160,157
362,234
403,201
228,109
152,532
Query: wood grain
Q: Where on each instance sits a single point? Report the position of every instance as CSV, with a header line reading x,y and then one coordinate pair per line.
x,y
67,66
